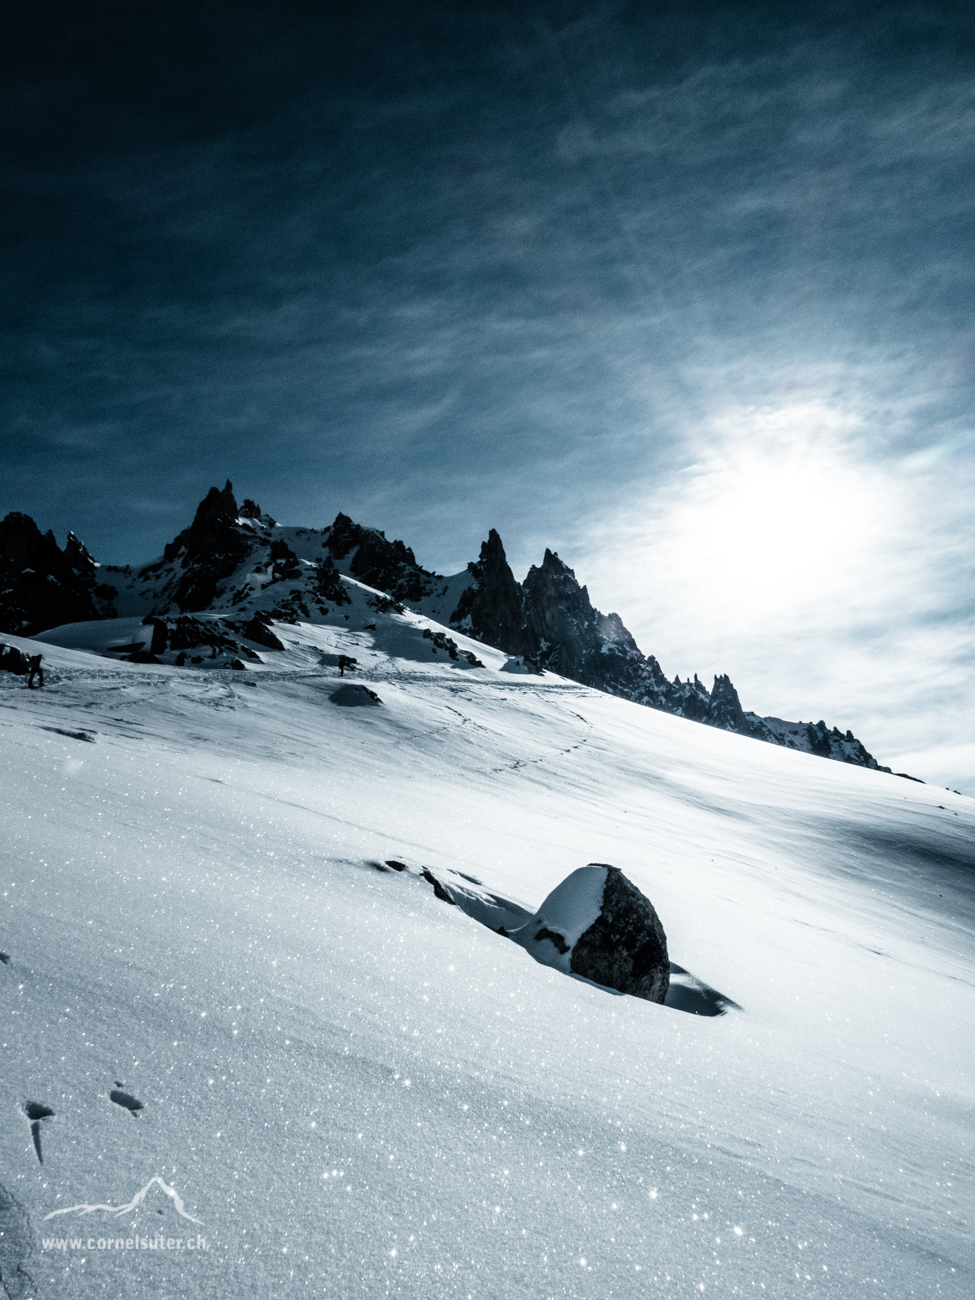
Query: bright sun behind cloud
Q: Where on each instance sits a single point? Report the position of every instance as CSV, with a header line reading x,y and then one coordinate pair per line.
x,y
778,516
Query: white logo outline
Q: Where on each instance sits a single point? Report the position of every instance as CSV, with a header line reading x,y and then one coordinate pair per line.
x,y
136,1201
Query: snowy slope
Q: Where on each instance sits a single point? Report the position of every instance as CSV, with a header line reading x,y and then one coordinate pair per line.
x,y
360,1091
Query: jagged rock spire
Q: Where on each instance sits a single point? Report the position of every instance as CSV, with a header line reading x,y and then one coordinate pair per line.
x,y
492,606
559,617
80,559
378,562
725,710
210,549
41,585
213,514
23,545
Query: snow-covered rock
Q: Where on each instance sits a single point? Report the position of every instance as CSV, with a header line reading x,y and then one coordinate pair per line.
x,y
357,696
597,924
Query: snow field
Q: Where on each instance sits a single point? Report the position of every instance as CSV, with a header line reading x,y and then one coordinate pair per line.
x,y
362,1092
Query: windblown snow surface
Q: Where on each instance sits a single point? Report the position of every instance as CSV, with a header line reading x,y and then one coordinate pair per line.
x,y
356,1090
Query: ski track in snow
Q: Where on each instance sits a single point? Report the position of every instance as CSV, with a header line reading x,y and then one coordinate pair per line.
x,y
364,1093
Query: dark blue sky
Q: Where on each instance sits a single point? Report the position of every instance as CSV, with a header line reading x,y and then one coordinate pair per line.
x,y
685,292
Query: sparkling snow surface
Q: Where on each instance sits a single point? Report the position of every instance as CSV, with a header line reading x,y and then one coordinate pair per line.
x,y
361,1092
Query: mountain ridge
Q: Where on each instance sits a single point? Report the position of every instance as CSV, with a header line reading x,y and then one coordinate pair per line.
x,y
237,563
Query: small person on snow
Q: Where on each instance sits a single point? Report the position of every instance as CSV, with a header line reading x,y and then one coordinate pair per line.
x,y
346,661
34,663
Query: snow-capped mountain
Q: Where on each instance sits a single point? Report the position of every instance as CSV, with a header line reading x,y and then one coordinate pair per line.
x,y
550,620
223,582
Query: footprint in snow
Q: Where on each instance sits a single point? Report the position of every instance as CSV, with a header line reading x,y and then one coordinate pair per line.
x,y
36,1112
126,1101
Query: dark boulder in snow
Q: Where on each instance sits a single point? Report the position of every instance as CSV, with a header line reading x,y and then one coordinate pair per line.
x,y
355,696
259,629
13,660
597,924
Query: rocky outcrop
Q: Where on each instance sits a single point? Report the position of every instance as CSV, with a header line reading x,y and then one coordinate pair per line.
x,y
550,622
194,573
560,622
328,585
41,585
13,660
250,510
355,697
816,738
724,707
260,630
492,607
210,550
597,924
368,555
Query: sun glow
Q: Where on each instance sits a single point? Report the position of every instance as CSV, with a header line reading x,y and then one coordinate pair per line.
x,y
778,515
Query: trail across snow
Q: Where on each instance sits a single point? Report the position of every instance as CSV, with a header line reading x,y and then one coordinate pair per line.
x,y
361,1092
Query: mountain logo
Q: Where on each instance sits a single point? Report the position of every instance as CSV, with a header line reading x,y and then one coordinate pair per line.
x,y
134,1204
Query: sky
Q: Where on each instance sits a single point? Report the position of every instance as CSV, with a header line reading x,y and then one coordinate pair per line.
x,y
683,292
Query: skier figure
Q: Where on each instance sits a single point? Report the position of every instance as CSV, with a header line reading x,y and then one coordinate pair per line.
x,y
34,663
346,661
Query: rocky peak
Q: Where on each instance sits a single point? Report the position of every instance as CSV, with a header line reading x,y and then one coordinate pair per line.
x,y
23,545
215,515
343,535
79,558
559,629
389,566
549,619
213,546
725,709
41,585
492,606
560,618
